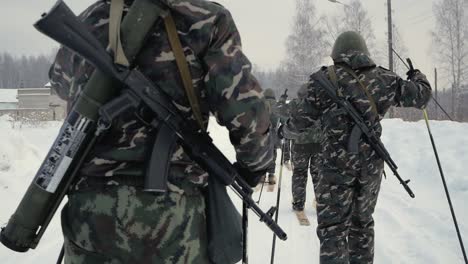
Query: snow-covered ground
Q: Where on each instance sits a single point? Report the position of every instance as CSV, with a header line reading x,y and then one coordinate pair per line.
x,y
416,231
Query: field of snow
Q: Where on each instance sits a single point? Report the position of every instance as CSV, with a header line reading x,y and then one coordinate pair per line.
x,y
415,231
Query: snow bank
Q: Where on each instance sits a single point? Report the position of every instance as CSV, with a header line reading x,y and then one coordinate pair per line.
x,y
416,231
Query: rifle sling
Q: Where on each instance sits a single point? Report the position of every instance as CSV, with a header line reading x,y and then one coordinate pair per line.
x,y
184,70
334,79
115,43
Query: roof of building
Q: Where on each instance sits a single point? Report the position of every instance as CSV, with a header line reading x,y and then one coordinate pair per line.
x,y
8,95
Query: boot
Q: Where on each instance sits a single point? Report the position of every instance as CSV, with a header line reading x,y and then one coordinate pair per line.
x,y
271,179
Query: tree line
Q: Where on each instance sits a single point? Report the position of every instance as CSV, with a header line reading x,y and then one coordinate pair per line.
x,y
24,71
308,47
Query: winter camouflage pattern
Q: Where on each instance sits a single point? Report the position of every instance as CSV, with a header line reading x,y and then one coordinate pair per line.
x,y
115,221
122,224
348,183
304,152
304,159
220,72
275,121
308,134
283,112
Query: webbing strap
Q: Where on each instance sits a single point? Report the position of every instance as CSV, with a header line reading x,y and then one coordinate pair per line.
x,y
183,68
115,44
333,77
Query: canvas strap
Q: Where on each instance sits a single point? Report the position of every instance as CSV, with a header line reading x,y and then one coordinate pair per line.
x,y
115,44
334,79
184,70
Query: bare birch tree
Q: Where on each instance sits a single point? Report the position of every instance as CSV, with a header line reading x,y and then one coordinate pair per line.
x,y
353,16
450,39
305,46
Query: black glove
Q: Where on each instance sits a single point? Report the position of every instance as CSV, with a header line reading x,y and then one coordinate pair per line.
x,y
285,94
411,73
252,178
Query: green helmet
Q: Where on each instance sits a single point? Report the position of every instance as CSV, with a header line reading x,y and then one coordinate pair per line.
x,y
302,92
349,41
269,94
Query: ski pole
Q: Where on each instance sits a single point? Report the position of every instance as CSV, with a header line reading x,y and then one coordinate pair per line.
x,y
261,191
61,255
426,117
443,110
410,67
278,196
245,226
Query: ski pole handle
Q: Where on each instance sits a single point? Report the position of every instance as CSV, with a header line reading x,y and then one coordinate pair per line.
x,y
410,64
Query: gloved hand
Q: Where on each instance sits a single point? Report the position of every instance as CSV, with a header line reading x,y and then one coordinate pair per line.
x,y
251,177
285,95
411,73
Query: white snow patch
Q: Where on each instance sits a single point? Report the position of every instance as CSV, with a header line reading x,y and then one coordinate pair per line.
x,y
416,231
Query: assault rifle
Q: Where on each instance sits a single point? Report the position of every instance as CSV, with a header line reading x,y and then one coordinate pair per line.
x,y
370,134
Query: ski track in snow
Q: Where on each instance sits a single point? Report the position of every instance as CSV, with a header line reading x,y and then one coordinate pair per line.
x,y
416,231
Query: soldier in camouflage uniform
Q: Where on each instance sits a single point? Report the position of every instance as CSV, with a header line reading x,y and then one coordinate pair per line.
x,y
274,120
109,218
349,181
305,149
284,113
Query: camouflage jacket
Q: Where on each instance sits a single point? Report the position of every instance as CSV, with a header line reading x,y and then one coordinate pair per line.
x,y
220,72
274,114
310,133
274,120
386,88
283,110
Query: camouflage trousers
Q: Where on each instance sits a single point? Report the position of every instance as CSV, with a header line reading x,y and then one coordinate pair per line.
x,y
272,168
302,161
123,224
346,201
287,150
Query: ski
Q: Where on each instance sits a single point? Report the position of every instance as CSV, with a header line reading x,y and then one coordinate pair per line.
x,y
302,218
271,187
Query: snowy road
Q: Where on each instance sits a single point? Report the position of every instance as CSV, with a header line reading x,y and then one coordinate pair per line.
x,y
415,231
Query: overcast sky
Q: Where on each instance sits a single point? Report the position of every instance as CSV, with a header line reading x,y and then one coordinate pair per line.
x,y
264,26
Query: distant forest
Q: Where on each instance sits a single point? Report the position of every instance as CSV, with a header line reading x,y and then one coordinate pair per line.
x,y
24,71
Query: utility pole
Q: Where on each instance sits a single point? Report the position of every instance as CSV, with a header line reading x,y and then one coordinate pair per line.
x,y
436,114
390,45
